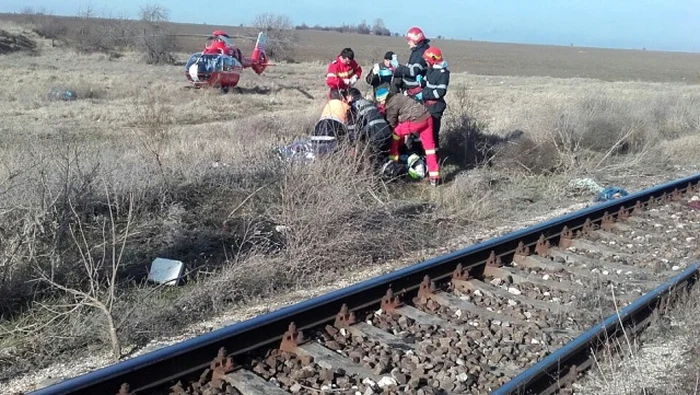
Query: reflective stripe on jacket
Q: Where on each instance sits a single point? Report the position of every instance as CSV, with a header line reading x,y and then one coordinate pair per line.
x,y
437,80
367,122
415,66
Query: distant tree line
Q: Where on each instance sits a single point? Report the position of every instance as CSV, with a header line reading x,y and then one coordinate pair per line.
x,y
377,28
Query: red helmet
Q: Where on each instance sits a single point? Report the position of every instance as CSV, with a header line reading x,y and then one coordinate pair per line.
x,y
415,35
219,33
433,55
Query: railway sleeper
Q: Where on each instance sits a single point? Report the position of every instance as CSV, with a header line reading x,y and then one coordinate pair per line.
x,y
249,383
427,293
570,257
419,365
510,275
537,262
490,290
581,244
428,319
456,304
332,360
452,304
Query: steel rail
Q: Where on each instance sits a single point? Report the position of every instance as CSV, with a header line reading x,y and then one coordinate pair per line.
x,y
545,377
195,354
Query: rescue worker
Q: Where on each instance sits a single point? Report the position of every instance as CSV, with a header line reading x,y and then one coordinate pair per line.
x,y
215,46
382,73
366,123
343,72
334,116
435,83
406,116
222,44
414,70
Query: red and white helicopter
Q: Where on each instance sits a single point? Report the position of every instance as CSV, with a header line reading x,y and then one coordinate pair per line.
x,y
220,64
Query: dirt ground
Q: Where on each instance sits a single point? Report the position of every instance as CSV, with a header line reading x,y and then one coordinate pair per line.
x,y
195,167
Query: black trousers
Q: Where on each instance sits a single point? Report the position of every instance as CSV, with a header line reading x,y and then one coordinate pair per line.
x,y
437,122
330,127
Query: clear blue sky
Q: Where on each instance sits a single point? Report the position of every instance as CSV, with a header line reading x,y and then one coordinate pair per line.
x,y
655,24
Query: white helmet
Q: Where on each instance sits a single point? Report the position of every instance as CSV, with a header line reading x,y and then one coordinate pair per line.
x,y
416,167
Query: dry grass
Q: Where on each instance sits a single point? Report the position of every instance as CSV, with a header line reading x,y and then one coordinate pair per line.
x,y
198,168
663,360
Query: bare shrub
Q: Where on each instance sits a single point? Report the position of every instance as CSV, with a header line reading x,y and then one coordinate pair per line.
x,y
280,32
152,127
467,143
334,213
120,32
157,40
459,130
599,124
90,35
101,262
468,198
597,129
524,153
50,27
41,224
379,29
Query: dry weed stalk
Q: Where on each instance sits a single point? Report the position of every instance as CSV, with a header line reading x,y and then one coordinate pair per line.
x,y
153,130
101,271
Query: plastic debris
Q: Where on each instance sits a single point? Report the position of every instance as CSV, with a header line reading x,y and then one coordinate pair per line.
x,y
603,194
166,271
62,94
610,193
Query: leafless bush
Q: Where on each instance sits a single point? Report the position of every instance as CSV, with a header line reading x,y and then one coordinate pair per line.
x,y
50,26
334,213
101,263
157,39
90,35
598,129
467,199
152,128
37,232
598,124
154,13
527,155
379,29
280,32
468,144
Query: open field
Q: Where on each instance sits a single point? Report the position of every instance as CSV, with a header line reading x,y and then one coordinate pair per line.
x,y
475,57
139,167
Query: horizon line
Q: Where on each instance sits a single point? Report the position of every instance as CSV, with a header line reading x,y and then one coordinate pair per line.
x,y
437,37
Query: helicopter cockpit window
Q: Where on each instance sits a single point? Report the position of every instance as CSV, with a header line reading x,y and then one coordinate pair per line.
x,y
227,63
213,63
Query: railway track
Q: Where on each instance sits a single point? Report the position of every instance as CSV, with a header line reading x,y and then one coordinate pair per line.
x,y
522,313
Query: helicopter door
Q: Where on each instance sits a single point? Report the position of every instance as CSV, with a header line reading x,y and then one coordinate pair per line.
x,y
194,71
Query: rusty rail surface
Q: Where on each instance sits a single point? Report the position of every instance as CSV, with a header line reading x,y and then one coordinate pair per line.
x,y
284,328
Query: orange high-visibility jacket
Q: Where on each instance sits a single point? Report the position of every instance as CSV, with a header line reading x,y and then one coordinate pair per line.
x,y
336,109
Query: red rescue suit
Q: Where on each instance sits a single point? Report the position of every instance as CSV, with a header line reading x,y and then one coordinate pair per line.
x,y
216,47
407,116
338,73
